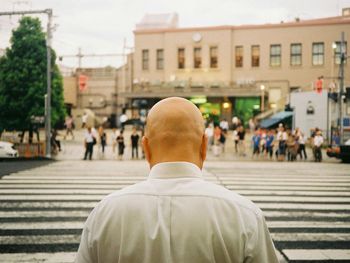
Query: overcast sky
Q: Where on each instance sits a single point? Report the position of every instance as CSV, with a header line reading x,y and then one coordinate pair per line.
x,y
100,26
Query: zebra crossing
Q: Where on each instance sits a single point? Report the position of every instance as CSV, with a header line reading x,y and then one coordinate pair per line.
x,y
306,205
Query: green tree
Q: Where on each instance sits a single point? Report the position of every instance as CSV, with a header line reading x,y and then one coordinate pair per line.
x,y
23,79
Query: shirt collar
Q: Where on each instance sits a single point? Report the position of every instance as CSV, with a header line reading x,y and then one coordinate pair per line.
x,y
174,170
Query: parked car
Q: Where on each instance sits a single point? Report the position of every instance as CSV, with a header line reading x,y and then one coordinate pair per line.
x,y
7,150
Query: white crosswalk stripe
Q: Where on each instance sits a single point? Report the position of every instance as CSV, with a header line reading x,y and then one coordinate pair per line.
x,y
307,209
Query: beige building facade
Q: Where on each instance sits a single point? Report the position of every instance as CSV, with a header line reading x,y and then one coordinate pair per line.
x,y
235,70
100,93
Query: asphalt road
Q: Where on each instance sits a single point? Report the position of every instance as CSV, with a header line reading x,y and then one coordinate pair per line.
x,y
12,166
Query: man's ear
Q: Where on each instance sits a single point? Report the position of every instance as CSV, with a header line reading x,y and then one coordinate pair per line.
x,y
146,149
203,150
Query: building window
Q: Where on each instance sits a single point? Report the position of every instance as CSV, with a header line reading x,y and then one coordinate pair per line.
x,y
239,56
337,52
317,54
275,55
181,58
295,54
145,59
197,58
160,59
214,57
255,56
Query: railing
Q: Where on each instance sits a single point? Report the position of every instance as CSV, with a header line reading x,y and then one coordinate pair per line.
x,y
30,150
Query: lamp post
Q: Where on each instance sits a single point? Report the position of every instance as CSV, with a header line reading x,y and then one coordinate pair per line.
x,y
330,91
262,88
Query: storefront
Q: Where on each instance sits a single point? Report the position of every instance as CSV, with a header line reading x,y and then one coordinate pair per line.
x,y
212,108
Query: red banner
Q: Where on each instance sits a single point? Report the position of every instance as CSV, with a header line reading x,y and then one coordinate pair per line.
x,y
82,82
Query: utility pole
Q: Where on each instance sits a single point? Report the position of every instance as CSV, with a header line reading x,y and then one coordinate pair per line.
x,y
49,75
80,56
341,87
48,51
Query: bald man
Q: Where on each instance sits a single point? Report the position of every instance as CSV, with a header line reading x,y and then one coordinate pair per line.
x,y
175,216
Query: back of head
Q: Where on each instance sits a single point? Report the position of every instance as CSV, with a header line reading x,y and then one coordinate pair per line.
x,y
174,132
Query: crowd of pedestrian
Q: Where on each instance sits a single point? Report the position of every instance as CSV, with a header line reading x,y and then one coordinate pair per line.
x,y
281,143
286,144
99,138
217,136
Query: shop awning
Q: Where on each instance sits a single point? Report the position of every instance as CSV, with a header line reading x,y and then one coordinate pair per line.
x,y
276,118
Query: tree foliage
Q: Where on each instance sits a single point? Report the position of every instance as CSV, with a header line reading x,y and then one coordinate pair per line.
x,y
23,79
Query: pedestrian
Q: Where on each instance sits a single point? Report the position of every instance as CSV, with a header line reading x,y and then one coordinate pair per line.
x,y
114,139
313,132
103,138
223,140
252,125
89,142
224,125
335,139
262,140
300,137
241,142
235,138
69,123
281,139
235,122
56,143
318,142
84,120
209,132
134,144
269,143
256,143
217,141
121,145
175,215
292,146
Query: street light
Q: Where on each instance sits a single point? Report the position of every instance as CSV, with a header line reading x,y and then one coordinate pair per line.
x,y
226,105
334,45
262,88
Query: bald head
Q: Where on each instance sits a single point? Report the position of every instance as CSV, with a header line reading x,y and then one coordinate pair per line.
x,y
175,132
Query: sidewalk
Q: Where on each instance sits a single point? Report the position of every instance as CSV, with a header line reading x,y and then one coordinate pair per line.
x,y
74,149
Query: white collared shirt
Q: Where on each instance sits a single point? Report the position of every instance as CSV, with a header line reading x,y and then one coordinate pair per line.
x,y
89,137
282,136
175,217
318,140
